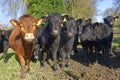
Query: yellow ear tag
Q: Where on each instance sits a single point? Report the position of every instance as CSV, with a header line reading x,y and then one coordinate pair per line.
x,y
64,20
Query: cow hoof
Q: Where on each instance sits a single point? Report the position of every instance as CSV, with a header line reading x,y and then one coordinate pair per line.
x,y
95,63
23,76
28,71
110,65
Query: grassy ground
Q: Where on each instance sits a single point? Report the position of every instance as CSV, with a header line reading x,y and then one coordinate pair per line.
x,y
76,71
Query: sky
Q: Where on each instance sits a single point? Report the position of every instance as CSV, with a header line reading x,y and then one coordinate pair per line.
x,y
101,6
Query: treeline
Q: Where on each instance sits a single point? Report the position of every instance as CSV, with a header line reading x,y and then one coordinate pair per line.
x,y
75,8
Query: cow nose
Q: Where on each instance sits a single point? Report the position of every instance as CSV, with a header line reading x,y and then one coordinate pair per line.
x,y
55,31
29,36
70,34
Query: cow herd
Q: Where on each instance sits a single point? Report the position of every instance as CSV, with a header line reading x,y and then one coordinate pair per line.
x,y
59,36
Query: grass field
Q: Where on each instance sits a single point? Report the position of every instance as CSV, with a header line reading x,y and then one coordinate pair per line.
x,y
76,71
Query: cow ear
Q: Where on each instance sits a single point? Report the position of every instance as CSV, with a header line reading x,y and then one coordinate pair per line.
x,y
116,18
96,25
89,20
39,21
14,22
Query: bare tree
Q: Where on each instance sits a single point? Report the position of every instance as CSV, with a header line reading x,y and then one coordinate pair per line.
x,y
14,8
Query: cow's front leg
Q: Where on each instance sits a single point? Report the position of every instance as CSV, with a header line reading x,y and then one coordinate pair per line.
x,y
63,58
28,65
22,63
44,55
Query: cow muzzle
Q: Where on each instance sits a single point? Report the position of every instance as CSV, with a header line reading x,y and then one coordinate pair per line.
x,y
55,32
29,37
70,34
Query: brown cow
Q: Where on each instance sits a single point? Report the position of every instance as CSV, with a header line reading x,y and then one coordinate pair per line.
x,y
22,38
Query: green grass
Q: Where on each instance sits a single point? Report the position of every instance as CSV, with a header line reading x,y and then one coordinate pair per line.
x,y
116,43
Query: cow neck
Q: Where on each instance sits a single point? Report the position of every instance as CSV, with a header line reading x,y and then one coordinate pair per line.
x,y
27,45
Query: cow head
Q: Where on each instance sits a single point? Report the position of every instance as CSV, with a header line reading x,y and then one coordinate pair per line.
x,y
54,22
27,25
87,33
80,23
109,20
70,27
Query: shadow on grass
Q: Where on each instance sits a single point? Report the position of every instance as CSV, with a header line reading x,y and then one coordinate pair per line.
x,y
9,55
74,77
79,57
49,56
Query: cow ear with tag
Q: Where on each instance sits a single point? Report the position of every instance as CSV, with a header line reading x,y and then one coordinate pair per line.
x,y
14,22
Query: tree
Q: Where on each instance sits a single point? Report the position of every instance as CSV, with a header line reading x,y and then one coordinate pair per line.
x,y
39,8
81,8
14,8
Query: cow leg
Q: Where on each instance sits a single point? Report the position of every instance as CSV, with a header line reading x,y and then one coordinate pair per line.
x,y
107,58
28,65
85,52
44,54
55,59
63,59
74,48
96,56
22,63
111,52
6,47
68,58
36,52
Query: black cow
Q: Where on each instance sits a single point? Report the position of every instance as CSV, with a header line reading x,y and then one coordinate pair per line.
x,y
79,24
87,40
37,45
49,37
104,37
67,35
100,36
4,44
